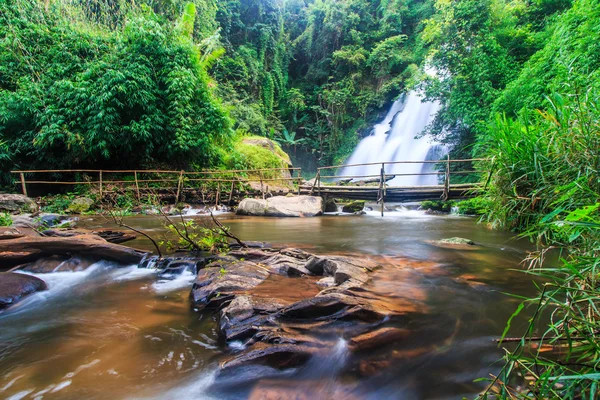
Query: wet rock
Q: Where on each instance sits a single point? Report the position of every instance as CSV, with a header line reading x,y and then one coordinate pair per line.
x,y
378,338
80,205
282,331
14,203
282,206
30,248
58,263
330,206
354,207
178,267
278,356
51,220
223,279
454,243
14,286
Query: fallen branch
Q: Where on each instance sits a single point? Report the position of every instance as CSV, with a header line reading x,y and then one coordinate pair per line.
x,y
226,231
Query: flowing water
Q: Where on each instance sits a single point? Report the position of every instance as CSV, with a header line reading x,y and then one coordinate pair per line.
x,y
398,138
126,333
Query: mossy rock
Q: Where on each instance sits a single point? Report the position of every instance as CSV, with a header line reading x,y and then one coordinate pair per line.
x,y
458,240
80,205
354,207
330,205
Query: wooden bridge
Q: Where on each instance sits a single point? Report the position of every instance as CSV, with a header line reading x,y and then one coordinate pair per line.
x,y
229,186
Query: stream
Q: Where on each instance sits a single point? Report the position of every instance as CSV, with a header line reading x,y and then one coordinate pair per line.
x,y
125,333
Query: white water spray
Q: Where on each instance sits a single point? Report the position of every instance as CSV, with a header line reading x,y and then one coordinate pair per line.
x,y
393,139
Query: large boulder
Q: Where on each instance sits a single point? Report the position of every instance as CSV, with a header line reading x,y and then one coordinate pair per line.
x,y
14,286
282,206
16,203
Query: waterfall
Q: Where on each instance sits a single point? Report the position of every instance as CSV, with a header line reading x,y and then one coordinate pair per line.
x,y
393,139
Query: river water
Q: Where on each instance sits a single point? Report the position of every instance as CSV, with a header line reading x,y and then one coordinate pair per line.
x,y
123,333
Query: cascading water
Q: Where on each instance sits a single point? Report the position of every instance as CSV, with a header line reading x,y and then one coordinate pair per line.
x,y
394,139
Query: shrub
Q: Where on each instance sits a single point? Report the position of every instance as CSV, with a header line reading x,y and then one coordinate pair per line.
x,y
5,219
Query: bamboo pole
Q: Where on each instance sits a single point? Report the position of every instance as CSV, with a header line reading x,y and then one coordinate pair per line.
x,y
23,184
262,191
137,186
446,194
218,194
179,183
231,193
315,181
299,182
100,180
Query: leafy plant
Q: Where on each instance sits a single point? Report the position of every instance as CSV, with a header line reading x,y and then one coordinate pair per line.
x,y
5,219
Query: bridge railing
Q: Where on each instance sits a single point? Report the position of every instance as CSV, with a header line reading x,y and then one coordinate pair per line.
x,y
327,178
225,181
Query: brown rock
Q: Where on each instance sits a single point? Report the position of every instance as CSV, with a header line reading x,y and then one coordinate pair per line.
x,y
30,248
14,286
378,338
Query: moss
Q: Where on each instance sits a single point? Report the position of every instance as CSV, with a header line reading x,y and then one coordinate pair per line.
x,y
474,206
437,205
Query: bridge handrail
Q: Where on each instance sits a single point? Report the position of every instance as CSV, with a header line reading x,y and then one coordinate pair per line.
x,y
405,162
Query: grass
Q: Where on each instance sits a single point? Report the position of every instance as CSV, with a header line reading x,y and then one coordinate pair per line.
x,y
547,187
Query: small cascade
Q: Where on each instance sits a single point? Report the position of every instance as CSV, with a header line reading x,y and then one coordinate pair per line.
x,y
395,139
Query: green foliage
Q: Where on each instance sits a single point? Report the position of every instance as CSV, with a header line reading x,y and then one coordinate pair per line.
x,y
546,185
192,236
58,204
5,219
475,206
437,205
71,95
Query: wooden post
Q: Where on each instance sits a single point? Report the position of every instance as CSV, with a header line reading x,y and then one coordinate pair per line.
x,y
100,180
317,177
446,195
137,186
23,185
262,191
319,184
381,187
231,192
299,181
179,183
218,194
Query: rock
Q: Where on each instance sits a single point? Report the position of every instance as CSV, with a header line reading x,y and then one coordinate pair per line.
x,y
14,286
353,207
378,338
278,356
16,203
80,205
282,206
330,205
58,264
272,147
284,332
30,248
24,221
457,240
454,243
51,220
